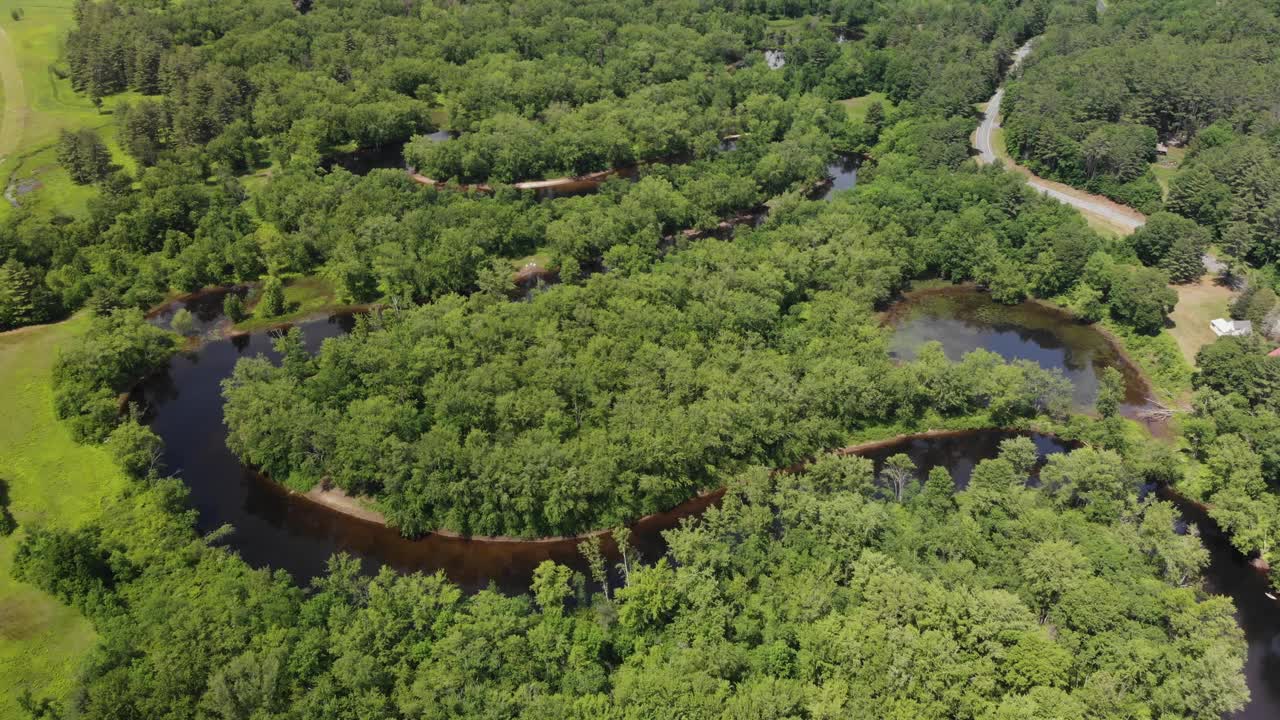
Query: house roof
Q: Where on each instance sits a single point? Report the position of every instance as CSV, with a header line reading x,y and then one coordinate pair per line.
x,y
1223,326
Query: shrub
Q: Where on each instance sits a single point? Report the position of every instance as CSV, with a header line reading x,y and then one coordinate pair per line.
x,y
233,308
272,302
183,323
136,448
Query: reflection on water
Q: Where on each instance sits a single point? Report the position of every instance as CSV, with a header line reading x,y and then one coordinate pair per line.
x,y
1229,573
843,174
964,319
362,161
365,160
958,452
205,308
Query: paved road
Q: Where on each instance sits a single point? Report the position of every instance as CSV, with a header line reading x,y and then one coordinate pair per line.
x,y
991,121
1122,217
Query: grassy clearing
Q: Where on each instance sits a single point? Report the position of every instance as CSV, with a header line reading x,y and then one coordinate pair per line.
x,y
42,185
49,106
1165,167
857,106
1198,303
786,23
304,297
1159,358
541,259
52,481
257,181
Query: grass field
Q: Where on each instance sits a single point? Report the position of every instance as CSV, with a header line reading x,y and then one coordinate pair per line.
x,y
1198,303
52,481
857,107
541,259
786,23
46,106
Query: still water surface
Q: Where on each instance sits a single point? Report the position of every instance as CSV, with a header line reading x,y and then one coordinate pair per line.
x,y
964,319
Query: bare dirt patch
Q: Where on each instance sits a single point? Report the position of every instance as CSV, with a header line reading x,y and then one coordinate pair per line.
x,y
19,620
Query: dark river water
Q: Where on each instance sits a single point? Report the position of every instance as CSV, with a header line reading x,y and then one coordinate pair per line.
x,y
273,528
964,320
277,529
1229,573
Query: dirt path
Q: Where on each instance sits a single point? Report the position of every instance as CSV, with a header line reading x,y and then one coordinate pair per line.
x,y
15,98
1122,218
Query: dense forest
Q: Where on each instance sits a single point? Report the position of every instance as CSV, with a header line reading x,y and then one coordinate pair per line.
x,y
242,87
1234,431
599,402
1095,98
676,354
805,595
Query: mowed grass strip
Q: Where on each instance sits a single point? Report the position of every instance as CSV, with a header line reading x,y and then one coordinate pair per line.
x,y
52,481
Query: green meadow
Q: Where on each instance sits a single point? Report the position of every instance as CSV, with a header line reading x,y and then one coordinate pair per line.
x,y
51,480
39,104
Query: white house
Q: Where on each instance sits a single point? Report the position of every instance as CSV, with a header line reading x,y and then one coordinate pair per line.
x,y
1231,328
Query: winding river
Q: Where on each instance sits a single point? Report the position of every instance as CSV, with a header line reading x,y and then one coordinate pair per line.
x,y
279,529
274,528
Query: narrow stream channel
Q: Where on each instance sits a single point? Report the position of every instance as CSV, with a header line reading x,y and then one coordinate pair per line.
x,y
1258,613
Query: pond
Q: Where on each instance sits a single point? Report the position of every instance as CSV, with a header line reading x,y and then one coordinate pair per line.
x,y
847,34
365,160
842,175
964,319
